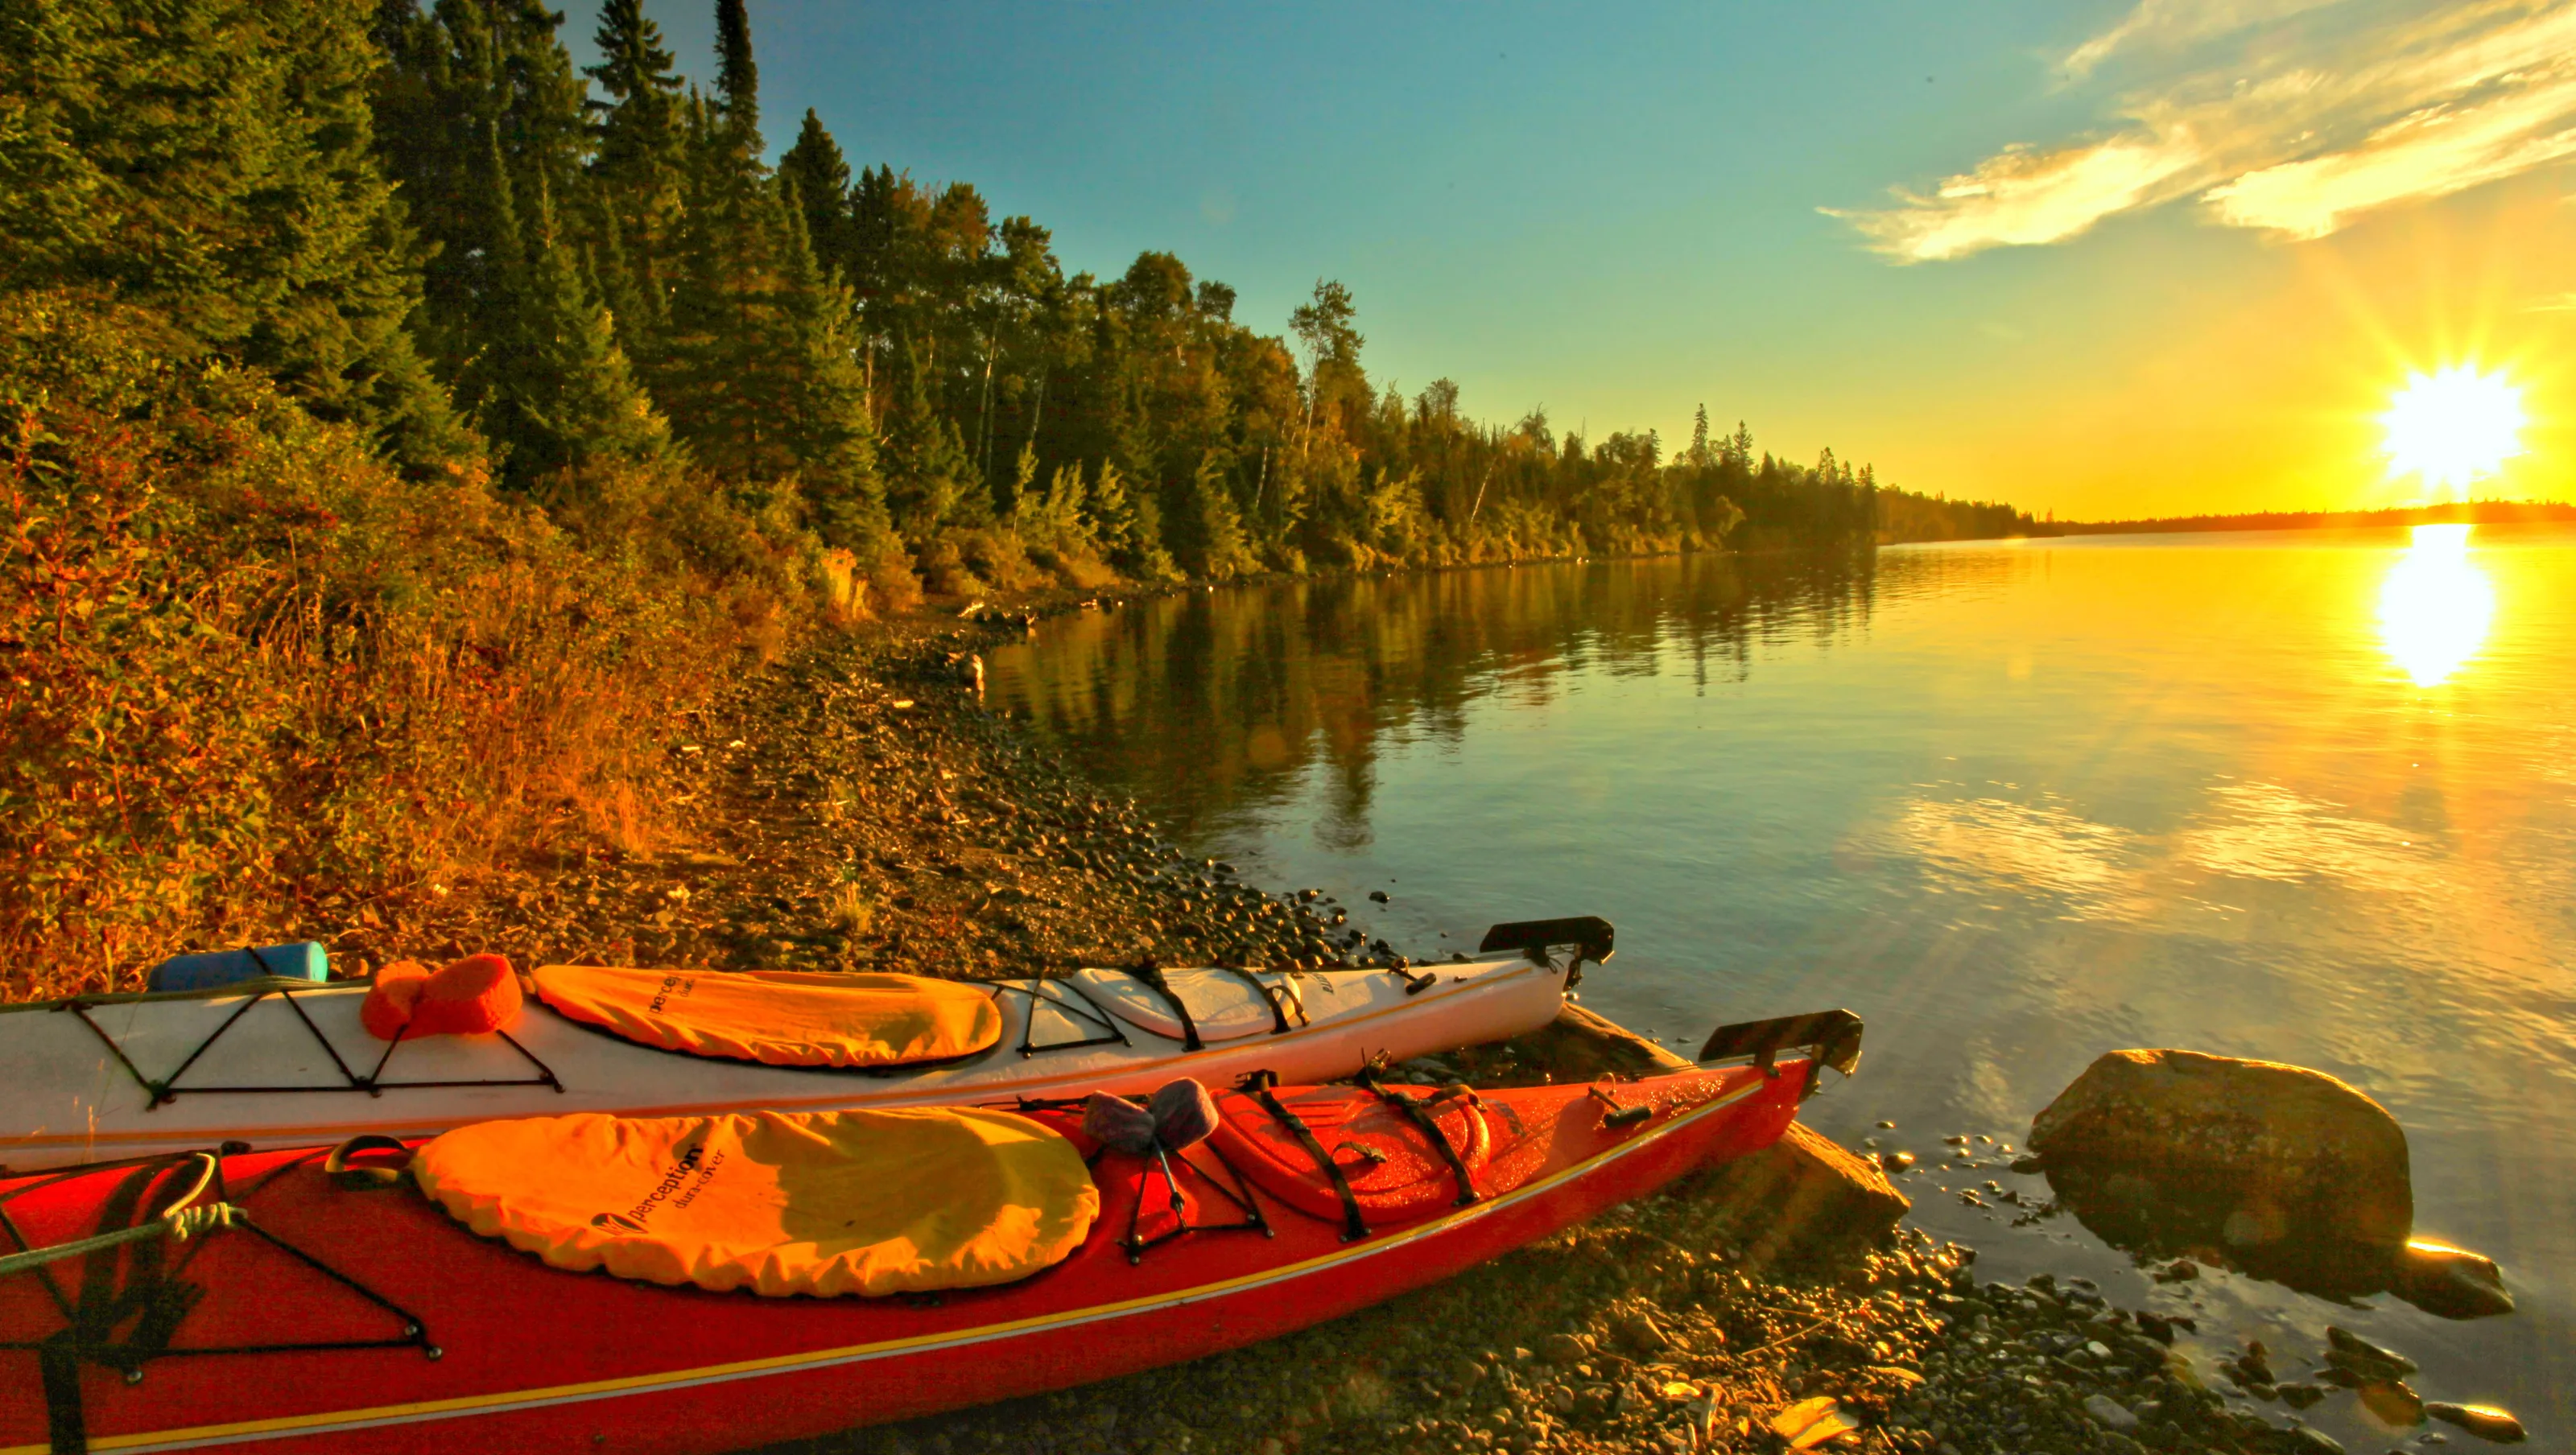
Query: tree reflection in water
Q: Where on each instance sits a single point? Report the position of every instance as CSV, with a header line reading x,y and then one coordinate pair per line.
x,y
1221,702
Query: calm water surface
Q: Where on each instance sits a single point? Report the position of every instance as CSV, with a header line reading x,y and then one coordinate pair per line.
x,y
2296,796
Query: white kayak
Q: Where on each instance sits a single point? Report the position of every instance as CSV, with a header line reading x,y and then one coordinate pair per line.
x,y
287,1063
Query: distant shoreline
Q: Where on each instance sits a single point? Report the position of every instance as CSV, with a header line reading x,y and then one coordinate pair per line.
x,y
2473,512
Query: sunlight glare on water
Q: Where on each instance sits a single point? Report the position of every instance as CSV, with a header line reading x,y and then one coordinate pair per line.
x,y
2015,805
2436,605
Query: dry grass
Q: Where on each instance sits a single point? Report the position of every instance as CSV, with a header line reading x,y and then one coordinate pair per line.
x,y
851,910
253,684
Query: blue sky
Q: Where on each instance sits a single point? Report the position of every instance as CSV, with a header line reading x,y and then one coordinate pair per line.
x,y
2097,257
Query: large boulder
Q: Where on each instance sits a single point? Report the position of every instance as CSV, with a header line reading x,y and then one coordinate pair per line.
x,y
2277,1163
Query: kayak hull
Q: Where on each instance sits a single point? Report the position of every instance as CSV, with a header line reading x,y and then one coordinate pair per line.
x,y
536,1359
79,1069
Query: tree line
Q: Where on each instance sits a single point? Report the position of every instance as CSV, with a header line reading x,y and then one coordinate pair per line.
x,y
428,222
406,433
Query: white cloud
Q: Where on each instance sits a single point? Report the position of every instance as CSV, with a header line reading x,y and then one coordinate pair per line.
x,y
2321,110
2019,196
2181,22
2432,153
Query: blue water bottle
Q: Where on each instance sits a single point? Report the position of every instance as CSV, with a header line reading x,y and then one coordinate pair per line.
x,y
303,960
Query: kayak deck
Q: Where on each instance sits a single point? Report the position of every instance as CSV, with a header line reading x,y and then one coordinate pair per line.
x,y
418,1335
274,1065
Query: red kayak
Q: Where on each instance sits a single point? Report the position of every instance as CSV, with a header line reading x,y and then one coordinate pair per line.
x,y
342,1318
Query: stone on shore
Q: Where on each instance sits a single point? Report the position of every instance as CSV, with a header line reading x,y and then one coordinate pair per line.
x,y
2348,1350
1803,1200
2109,1413
2392,1402
2453,1283
2484,1421
2281,1157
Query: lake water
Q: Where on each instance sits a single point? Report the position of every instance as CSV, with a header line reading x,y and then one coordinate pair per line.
x,y
2303,797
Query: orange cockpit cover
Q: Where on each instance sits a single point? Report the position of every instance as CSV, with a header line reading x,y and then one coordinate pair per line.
x,y
866,1202
782,1017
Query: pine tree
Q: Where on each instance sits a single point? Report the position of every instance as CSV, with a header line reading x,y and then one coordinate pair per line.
x,y
832,433
1216,548
886,214
569,395
489,134
637,163
1737,451
636,310
731,357
737,78
929,480
212,161
822,179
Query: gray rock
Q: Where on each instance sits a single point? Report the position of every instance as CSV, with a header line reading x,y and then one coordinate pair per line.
x,y
1641,1334
1567,1349
2109,1413
2348,1350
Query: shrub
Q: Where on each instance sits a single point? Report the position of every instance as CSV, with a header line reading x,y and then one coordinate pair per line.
x,y
257,684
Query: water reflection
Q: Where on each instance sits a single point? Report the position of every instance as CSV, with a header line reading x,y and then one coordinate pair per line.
x,y
2436,605
1219,705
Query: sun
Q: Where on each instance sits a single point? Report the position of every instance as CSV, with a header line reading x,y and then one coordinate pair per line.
x,y
2453,426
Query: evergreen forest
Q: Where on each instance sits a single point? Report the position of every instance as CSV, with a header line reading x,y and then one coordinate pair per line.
x,y
407,427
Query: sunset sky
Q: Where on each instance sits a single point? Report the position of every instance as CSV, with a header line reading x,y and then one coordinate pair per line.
x,y
2103,259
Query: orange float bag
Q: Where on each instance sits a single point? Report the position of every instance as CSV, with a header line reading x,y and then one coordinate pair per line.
x,y
473,996
781,1017
864,1202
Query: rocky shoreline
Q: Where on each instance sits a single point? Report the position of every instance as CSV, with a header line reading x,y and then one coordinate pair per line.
x,y
857,807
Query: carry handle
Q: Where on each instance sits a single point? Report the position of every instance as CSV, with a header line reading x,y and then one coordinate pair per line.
x,y
364,1179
